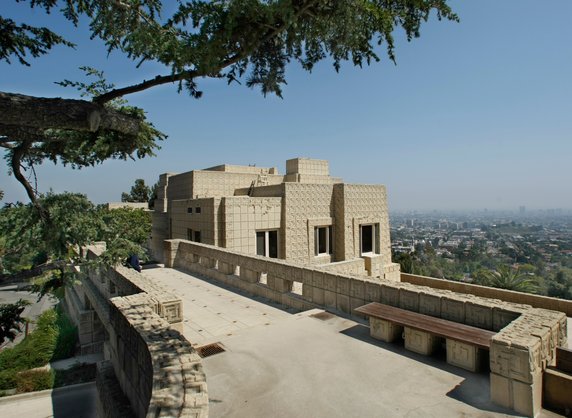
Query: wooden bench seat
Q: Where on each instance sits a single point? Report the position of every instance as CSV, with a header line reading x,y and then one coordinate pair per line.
x,y
422,333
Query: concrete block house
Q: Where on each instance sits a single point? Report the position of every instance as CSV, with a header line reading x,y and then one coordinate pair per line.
x,y
305,216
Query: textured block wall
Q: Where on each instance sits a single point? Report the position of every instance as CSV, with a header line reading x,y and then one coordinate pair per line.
x,y
157,368
304,203
243,216
220,184
208,221
362,204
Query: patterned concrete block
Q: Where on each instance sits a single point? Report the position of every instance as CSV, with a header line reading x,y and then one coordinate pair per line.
x,y
479,314
430,303
420,342
384,330
390,295
453,308
463,355
409,300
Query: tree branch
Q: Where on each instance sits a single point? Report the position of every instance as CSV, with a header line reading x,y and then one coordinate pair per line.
x,y
272,32
41,113
16,163
30,273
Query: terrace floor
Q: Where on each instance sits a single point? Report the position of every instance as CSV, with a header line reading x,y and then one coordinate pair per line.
x,y
280,363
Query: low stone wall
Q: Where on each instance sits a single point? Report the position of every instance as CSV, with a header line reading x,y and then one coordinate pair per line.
x,y
535,301
148,362
348,267
520,351
157,369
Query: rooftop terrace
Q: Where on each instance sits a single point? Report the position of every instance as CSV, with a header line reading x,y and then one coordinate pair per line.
x,y
285,364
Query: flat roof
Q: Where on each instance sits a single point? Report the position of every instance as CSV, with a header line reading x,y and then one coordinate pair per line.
x,y
281,363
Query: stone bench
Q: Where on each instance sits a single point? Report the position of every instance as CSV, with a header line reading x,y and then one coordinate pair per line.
x,y
422,333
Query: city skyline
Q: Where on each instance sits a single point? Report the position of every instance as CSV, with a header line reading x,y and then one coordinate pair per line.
x,y
474,115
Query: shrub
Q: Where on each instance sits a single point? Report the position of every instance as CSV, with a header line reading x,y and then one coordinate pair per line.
x,y
54,338
33,380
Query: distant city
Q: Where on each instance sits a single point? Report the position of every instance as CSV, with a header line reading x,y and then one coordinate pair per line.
x,y
458,244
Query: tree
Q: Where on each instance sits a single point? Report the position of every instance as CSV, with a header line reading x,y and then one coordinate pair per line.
x,y
506,277
11,320
30,248
139,193
237,40
560,286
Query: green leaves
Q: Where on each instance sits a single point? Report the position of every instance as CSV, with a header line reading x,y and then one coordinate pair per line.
x,y
74,222
10,320
21,40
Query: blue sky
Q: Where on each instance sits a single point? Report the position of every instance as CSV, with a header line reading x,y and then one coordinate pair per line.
x,y
476,114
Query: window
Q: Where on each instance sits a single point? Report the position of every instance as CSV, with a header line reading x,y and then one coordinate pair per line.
x,y
193,235
369,239
197,209
189,210
323,240
267,243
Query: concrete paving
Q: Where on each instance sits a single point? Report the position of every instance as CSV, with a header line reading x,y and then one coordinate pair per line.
x,y
314,364
211,311
77,401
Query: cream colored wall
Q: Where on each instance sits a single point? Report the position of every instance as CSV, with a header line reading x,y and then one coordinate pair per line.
x,y
180,186
243,216
305,207
220,183
362,204
206,222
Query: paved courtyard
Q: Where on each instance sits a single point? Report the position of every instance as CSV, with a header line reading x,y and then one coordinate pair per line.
x,y
314,364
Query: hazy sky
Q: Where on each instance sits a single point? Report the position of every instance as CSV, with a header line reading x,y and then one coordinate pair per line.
x,y
476,114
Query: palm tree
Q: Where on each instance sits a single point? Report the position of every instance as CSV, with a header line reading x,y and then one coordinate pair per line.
x,y
509,278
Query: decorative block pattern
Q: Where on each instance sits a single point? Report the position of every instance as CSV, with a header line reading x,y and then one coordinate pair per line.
x,y
462,355
420,342
384,330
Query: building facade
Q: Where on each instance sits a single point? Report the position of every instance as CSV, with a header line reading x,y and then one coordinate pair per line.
x,y
305,216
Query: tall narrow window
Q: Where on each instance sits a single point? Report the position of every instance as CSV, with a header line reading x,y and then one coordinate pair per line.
x,y
197,236
369,239
189,234
267,243
323,240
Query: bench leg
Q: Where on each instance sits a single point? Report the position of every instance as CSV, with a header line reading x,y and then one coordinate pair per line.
x,y
420,342
463,355
384,330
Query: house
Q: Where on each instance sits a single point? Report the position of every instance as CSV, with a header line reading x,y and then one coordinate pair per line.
x,y
305,216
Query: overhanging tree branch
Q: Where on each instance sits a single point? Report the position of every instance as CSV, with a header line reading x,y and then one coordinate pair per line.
x,y
18,110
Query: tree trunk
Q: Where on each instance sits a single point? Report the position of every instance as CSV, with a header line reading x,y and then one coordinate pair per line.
x,y
18,111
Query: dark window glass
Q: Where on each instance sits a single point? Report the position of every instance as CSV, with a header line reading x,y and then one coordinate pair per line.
x,y
190,234
273,244
189,210
197,210
322,240
330,240
366,238
197,236
260,243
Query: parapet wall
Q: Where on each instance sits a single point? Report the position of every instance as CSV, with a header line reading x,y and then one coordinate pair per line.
x,y
155,367
536,301
524,345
